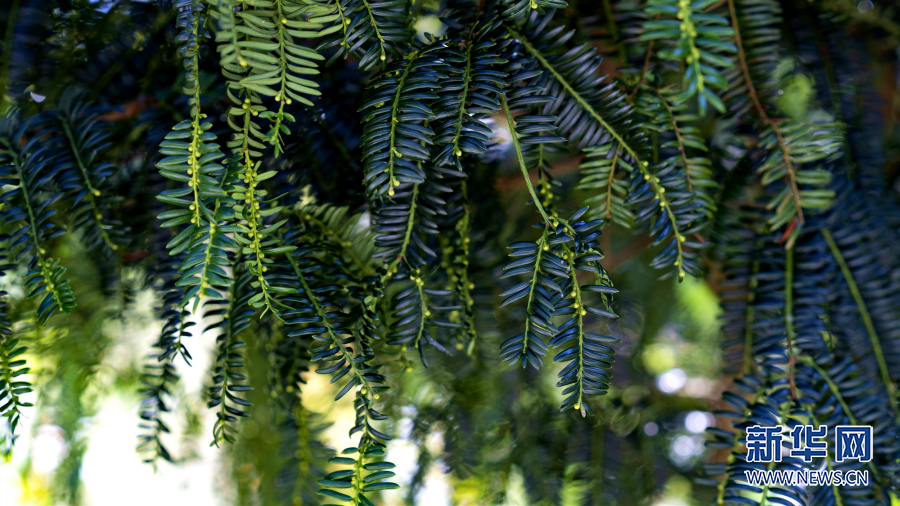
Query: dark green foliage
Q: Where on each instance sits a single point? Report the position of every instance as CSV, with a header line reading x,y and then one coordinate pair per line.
x,y
395,140
355,485
553,290
369,31
862,263
605,177
517,9
767,408
786,325
315,304
695,38
29,168
831,396
304,456
12,382
228,373
192,156
469,92
593,107
160,376
85,177
757,23
682,147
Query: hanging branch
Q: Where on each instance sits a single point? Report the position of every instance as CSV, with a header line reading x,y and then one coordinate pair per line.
x,y
866,318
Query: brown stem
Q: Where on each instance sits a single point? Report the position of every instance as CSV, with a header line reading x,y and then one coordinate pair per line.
x,y
679,138
644,69
761,112
609,184
789,316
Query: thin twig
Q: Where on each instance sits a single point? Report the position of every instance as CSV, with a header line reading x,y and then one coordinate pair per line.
x,y
754,97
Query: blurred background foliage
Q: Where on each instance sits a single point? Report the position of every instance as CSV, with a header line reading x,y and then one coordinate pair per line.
x,y
468,430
